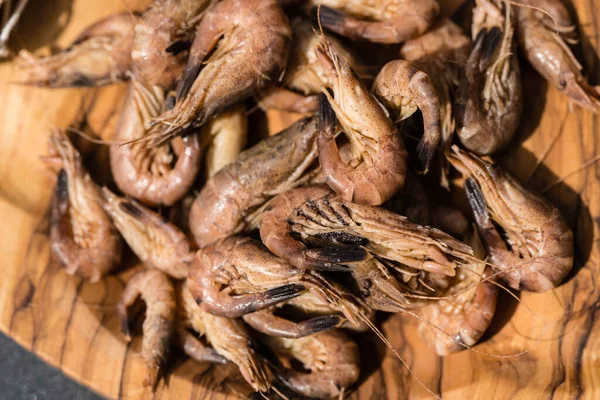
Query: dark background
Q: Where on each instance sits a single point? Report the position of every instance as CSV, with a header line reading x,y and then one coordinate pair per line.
x,y
24,376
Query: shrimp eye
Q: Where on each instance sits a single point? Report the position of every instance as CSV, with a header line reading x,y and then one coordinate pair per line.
x,y
365,293
562,83
368,284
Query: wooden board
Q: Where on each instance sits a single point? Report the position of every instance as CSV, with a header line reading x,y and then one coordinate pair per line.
x,y
73,325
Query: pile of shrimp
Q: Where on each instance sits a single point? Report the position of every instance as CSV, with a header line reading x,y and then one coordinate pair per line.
x,y
280,254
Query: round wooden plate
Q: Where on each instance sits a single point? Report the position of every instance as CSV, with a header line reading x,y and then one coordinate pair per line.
x,y
73,325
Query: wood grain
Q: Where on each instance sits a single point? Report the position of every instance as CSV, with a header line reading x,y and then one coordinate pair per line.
x,y
73,325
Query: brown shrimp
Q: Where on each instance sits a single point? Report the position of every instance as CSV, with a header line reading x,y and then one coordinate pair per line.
x,y
538,251
232,198
549,53
229,338
100,55
380,21
238,275
304,75
240,46
227,134
150,175
156,290
83,236
458,321
158,243
349,235
162,36
331,359
315,211
442,53
489,100
378,167
403,88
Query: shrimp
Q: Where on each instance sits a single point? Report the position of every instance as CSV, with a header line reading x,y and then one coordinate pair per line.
x,y
227,133
238,275
538,251
378,167
10,18
101,55
158,243
380,21
304,75
489,100
466,312
82,234
441,53
233,197
162,35
229,338
316,212
403,88
156,290
240,46
151,175
331,359
550,55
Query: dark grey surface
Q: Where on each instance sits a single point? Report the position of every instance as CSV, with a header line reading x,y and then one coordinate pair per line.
x,y
23,376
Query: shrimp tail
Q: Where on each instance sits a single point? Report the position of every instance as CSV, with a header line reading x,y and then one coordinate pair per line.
x,y
333,20
426,151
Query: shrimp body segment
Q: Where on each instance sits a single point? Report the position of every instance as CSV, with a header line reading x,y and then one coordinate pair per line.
x,y
158,243
380,21
378,166
101,55
403,88
549,53
331,359
83,236
232,199
157,291
538,251
240,47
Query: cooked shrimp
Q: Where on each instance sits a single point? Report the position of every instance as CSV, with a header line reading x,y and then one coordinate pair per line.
x,y
489,100
151,175
442,53
158,243
331,359
233,197
403,88
101,55
538,251
304,75
237,276
315,211
229,338
466,313
380,21
240,46
82,234
378,167
227,134
162,34
549,53
156,290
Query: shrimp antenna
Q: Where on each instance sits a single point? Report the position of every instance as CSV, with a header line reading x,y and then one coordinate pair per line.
x,y
568,175
319,20
90,138
129,10
518,4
